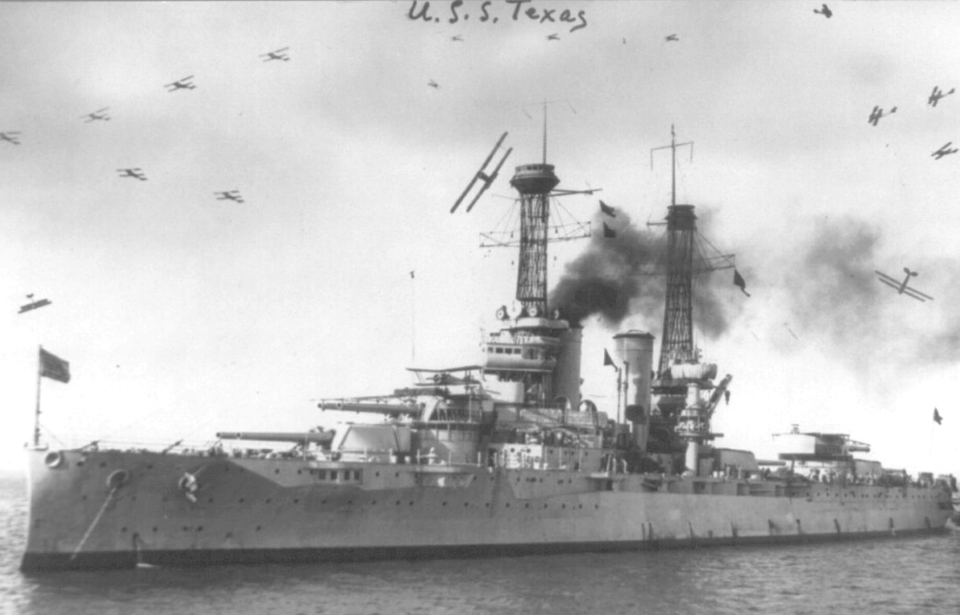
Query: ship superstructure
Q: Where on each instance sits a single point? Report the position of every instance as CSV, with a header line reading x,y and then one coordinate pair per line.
x,y
500,457
684,393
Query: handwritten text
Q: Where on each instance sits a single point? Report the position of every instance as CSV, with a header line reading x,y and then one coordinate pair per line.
x,y
517,10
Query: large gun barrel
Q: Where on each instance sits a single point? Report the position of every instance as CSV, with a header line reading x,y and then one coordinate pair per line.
x,y
317,437
374,408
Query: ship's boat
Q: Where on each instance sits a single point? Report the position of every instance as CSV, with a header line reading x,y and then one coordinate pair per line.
x,y
503,457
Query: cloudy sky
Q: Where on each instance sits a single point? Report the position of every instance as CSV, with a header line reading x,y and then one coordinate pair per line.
x,y
182,314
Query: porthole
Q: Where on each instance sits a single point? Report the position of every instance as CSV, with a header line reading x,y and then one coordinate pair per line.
x,y
117,479
53,459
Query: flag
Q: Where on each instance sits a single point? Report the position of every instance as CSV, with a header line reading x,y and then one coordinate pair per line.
x,y
739,281
54,367
607,360
608,232
606,209
937,418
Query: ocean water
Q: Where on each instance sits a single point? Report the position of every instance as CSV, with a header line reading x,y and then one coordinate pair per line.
x,y
878,577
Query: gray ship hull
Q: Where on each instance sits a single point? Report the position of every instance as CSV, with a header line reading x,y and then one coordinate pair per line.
x,y
113,509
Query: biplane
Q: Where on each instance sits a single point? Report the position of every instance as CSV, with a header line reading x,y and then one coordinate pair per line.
x,y
135,173
229,195
33,305
937,94
487,179
943,151
99,114
279,54
901,287
181,84
825,11
877,113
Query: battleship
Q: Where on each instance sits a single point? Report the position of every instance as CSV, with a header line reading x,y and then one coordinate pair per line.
x,y
501,457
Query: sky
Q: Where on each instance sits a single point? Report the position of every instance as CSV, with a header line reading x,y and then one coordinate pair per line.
x,y
182,314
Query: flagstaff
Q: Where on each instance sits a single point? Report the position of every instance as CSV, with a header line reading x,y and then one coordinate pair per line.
x,y
55,368
36,416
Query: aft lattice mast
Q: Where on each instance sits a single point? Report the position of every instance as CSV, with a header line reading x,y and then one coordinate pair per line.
x,y
677,340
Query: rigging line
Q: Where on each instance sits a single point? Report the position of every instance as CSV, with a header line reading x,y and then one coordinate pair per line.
x,y
50,433
561,223
506,214
560,208
137,420
203,426
506,221
719,253
516,213
707,262
96,520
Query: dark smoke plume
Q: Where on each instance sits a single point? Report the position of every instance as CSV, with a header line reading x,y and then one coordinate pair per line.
x,y
626,275
832,288
834,295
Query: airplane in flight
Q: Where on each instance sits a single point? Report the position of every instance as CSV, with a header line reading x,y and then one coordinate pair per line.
x,y
901,287
10,136
229,195
99,114
825,11
937,94
877,113
482,176
181,84
672,37
135,173
276,55
943,151
434,84
33,305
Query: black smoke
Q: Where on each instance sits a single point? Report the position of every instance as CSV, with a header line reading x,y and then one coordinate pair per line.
x,y
831,286
626,275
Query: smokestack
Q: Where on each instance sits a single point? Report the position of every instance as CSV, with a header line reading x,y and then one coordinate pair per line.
x,y
635,350
566,375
